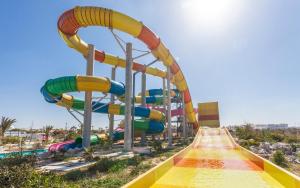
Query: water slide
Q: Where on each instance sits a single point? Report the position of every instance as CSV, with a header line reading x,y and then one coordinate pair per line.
x,y
72,20
214,160
55,91
175,112
155,96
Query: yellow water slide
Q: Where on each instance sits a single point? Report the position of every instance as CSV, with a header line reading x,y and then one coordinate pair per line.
x,y
70,21
214,160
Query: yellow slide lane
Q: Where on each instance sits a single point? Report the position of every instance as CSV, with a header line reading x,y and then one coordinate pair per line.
x,y
214,161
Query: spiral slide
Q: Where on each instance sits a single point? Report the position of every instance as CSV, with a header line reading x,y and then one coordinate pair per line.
x,y
175,112
70,21
54,91
155,96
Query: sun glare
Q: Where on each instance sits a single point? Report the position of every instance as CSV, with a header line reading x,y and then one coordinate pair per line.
x,y
210,13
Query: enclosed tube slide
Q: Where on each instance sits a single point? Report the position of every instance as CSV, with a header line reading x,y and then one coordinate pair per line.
x,y
155,96
54,91
72,144
73,19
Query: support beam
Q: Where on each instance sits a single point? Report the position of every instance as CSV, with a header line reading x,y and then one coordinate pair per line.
x,y
143,89
164,102
183,117
112,101
128,97
133,105
87,119
169,107
143,136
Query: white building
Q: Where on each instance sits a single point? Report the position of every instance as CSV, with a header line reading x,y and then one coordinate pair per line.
x,y
270,126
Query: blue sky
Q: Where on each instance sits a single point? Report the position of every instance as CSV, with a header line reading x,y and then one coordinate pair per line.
x,y
244,54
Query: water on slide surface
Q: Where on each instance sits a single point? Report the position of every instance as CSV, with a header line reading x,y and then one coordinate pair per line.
x,y
213,163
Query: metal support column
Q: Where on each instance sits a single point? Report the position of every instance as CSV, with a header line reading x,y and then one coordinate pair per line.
x,y
112,101
164,103
183,117
143,136
87,121
169,107
128,96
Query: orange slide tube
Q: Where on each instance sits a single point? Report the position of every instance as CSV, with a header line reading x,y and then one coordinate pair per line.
x,y
73,19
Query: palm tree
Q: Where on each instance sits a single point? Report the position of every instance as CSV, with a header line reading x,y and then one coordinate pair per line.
x,y
5,124
47,130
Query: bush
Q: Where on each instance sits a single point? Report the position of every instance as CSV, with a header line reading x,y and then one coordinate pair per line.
x,y
58,156
109,165
246,132
279,159
134,161
140,168
107,144
74,175
102,166
292,140
25,176
118,166
111,182
294,147
11,140
17,160
277,137
157,145
88,154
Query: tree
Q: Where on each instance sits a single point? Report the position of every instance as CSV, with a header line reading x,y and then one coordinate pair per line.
x,y
5,124
47,130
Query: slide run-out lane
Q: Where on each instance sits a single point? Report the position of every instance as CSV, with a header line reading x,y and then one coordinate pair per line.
x,y
213,162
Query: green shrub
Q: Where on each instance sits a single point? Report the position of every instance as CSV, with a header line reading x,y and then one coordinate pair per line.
x,y
71,135
109,165
292,140
58,156
18,171
294,147
157,145
102,166
25,176
74,175
117,166
88,154
11,140
17,159
279,159
107,144
142,167
111,182
134,161
277,137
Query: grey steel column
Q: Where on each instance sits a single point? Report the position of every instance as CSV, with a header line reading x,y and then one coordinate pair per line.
x,y
112,101
87,120
143,136
169,107
183,117
164,96
164,103
128,96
